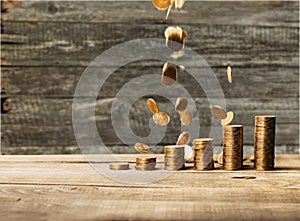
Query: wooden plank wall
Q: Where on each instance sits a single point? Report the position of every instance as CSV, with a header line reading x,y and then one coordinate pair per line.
x,y
47,45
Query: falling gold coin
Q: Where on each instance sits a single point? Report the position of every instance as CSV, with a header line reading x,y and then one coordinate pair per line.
x,y
184,138
229,74
169,74
161,4
152,106
179,3
220,158
186,117
175,37
142,148
228,119
161,119
219,112
181,104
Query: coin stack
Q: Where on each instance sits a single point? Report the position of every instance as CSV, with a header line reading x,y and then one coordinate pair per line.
x,y
264,142
204,153
145,163
174,157
119,166
233,147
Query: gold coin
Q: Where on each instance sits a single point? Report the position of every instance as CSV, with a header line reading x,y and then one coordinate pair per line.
x,y
229,74
228,119
142,148
183,138
119,166
161,119
219,112
152,106
186,117
179,3
169,74
161,4
145,160
181,104
175,37
220,158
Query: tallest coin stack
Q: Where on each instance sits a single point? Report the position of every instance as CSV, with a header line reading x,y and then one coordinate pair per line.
x,y
264,142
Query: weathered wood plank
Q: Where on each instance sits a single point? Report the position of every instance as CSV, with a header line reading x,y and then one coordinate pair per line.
x,y
198,208
270,13
32,122
247,82
282,160
40,111
28,135
69,185
71,203
79,43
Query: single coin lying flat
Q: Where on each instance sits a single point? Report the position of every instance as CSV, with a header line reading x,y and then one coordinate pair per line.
x,y
142,148
219,112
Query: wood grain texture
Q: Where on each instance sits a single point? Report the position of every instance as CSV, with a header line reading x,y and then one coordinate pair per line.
x,y
32,121
47,45
270,13
264,82
78,44
66,187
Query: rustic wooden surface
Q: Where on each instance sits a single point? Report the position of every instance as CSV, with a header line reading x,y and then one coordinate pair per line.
x,y
47,45
67,188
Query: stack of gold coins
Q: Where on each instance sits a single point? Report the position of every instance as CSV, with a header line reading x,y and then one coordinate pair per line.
x,y
119,166
233,147
145,163
174,157
264,142
204,154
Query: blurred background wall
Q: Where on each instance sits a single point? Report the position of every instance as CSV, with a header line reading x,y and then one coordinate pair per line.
x,y
47,45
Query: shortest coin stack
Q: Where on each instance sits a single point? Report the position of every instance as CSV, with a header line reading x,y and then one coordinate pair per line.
x,y
204,154
174,157
119,166
145,163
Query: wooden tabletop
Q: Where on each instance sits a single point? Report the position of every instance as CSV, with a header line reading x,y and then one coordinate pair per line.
x,y
66,187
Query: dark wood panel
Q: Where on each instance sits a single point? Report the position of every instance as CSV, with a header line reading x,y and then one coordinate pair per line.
x,y
58,112
28,135
273,13
265,82
78,44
